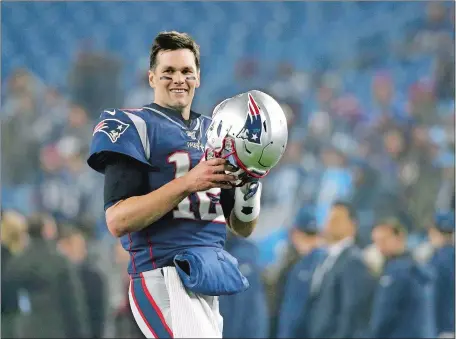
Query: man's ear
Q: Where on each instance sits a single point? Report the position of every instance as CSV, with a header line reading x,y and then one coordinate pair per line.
x,y
198,79
152,79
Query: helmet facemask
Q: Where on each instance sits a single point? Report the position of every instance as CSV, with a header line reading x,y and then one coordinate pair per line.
x,y
228,152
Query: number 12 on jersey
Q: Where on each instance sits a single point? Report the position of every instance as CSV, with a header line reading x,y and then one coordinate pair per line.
x,y
207,209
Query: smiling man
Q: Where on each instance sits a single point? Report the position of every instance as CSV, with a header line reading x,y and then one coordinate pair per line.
x,y
165,203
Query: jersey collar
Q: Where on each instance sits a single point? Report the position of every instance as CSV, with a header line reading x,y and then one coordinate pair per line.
x,y
176,115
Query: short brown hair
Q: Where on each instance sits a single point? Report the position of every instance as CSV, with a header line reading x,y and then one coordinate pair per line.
x,y
171,41
394,223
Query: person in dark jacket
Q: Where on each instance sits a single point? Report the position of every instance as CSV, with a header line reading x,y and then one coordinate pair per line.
x,y
403,300
295,302
245,315
13,241
72,244
49,290
342,285
441,236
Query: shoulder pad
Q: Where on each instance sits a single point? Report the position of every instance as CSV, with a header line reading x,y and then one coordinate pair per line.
x,y
119,132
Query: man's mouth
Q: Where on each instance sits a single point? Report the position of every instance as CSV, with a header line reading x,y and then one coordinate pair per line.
x,y
178,90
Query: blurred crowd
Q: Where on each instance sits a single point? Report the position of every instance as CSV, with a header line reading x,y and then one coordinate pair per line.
x,y
362,165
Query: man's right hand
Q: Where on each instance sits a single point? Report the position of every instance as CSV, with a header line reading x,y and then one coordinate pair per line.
x,y
209,174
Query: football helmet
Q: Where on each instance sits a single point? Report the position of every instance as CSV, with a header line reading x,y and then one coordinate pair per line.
x,y
250,131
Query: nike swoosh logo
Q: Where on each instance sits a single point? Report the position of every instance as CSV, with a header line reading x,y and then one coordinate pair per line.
x,y
111,112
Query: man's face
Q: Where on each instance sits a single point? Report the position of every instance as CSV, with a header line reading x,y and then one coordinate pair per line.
x,y
393,143
383,90
339,225
174,78
74,247
386,241
302,242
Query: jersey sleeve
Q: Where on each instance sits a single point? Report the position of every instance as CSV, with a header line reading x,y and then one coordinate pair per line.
x,y
118,132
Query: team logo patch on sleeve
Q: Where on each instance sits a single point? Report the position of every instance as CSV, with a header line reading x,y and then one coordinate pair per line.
x,y
113,128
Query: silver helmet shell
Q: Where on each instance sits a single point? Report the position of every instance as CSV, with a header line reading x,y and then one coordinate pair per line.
x,y
251,128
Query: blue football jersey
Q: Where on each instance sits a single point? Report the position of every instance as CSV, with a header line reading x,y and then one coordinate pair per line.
x,y
159,138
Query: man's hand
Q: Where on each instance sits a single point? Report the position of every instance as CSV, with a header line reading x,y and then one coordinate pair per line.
x,y
209,174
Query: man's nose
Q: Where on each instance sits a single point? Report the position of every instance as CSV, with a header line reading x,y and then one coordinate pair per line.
x,y
178,78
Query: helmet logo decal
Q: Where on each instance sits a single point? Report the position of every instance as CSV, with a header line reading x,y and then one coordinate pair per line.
x,y
252,128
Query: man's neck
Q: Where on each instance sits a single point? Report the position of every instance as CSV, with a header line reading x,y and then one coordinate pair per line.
x,y
399,252
336,241
337,246
185,111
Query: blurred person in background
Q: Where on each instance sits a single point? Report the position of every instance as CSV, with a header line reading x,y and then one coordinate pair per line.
x,y
441,237
403,300
82,182
49,291
336,181
20,144
447,184
420,178
364,198
374,259
422,104
294,296
21,86
342,285
284,182
54,109
245,315
289,85
387,156
444,67
387,111
124,323
141,93
13,240
94,80
66,188
73,245
432,27
387,160
78,125
319,131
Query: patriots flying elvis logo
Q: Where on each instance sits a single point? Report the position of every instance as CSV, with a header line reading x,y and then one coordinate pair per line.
x,y
252,128
113,128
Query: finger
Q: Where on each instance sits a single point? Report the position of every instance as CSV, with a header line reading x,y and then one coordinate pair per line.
x,y
223,177
216,161
219,169
230,168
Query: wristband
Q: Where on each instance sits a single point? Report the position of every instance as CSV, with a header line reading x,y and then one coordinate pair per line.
x,y
247,209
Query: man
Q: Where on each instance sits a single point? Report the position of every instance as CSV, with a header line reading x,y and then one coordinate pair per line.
x,y
403,300
441,237
13,241
294,310
341,285
73,245
49,291
163,201
245,315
